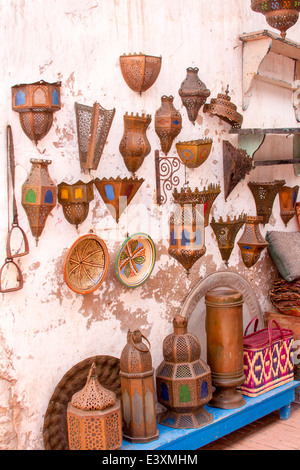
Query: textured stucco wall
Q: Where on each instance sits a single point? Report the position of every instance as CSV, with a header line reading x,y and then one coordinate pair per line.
x,y
46,328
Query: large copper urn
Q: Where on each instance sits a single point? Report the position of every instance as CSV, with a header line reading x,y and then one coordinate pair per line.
x,y
224,329
135,146
168,123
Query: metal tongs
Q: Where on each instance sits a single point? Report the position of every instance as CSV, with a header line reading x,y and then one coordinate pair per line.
x,y
15,224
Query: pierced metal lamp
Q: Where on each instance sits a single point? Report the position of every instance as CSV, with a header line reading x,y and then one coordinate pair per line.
x,y
280,14
226,232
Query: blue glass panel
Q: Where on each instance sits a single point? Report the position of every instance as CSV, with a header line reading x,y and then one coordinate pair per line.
x,y
164,393
173,238
20,98
48,197
198,238
109,191
204,389
55,98
185,238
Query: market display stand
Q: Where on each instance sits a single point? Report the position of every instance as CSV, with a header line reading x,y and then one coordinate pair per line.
x,y
224,421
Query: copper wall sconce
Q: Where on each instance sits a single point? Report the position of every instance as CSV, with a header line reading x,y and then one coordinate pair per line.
x,y
193,93
236,164
135,146
140,71
252,243
75,199
39,196
226,232
94,417
287,201
280,14
117,193
183,380
224,109
297,208
168,123
264,195
138,390
195,152
187,235
93,126
36,103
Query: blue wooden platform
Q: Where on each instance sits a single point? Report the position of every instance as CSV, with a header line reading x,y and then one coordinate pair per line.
x,y
224,421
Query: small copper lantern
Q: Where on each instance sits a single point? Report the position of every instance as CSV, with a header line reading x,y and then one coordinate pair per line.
x,y
39,196
226,232
193,93
75,199
36,103
224,109
183,380
264,195
187,235
287,201
138,391
168,123
252,243
280,14
94,417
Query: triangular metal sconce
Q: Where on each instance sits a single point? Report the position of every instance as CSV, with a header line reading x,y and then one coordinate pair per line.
x,y
237,164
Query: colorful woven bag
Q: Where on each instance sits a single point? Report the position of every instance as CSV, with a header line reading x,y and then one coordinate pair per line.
x,y
268,358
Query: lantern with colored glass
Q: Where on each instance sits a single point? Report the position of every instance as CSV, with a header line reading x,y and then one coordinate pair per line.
x,y
75,199
138,392
39,196
94,417
36,103
287,201
252,243
183,380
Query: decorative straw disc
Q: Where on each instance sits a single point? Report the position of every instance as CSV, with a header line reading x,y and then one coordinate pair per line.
x,y
135,260
86,264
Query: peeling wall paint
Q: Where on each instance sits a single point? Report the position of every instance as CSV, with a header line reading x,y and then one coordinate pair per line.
x,y
46,328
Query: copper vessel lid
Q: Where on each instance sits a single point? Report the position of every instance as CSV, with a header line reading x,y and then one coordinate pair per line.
x,y
93,396
223,296
136,356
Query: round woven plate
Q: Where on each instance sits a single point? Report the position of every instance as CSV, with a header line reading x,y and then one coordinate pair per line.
x,y
86,264
135,260
55,430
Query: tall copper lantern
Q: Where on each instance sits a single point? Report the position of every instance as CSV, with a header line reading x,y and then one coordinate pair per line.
x,y
36,103
287,201
138,391
252,243
94,417
224,329
183,380
280,14
168,123
39,196
193,93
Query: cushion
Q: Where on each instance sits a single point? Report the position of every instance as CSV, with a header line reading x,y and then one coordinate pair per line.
x,y
284,249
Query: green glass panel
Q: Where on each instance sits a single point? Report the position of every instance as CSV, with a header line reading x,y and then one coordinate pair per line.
x,y
30,196
184,394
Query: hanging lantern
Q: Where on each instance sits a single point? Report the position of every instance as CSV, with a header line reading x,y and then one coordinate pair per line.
x,y
187,236
193,93
140,71
224,109
287,201
168,123
36,103
135,146
94,417
264,195
194,153
252,242
93,126
226,232
75,199
280,14
183,380
118,193
297,208
39,195
138,392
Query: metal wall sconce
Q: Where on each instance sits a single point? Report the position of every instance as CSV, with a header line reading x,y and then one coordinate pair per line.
x,y
226,232
93,126
195,152
287,201
140,71
135,146
36,103
224,109
75,199
237,164
280,14
168,123
252,242
264,195
193,93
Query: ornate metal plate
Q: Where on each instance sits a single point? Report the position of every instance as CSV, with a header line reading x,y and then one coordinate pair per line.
x,y
135,260
86,264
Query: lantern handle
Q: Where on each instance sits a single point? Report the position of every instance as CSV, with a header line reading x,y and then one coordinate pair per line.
x,y
139,349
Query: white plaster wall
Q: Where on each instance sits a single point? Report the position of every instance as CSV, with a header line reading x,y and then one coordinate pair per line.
x,y
45,328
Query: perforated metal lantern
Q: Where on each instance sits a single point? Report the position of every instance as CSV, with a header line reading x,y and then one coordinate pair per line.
x,y
287,201
193,93
168,123
94,417
183,380
280,14
138,391
140,71
135,146
224,109
39,196
36,103
264,195
252,243
93,126
195,152
75,199
226,232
